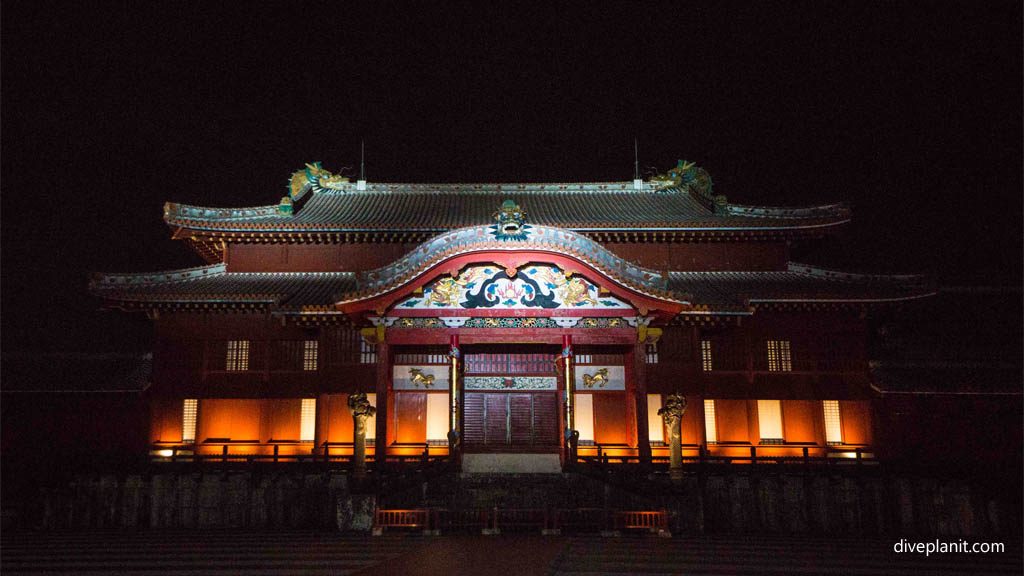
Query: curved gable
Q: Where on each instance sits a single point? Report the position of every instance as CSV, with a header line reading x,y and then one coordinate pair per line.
x,y
556,255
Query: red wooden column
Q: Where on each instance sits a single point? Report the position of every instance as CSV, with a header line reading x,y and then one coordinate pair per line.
x,y
639,395
380,443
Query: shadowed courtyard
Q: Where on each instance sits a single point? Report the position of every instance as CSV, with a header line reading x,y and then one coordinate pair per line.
x,y
250,553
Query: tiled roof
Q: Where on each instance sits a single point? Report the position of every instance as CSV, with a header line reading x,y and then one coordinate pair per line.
x,y
440,207
738,291
213,284
711,292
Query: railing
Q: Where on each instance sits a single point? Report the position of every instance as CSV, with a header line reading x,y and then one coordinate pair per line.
x,y
641,520
831,457
418,518
229,453
575,520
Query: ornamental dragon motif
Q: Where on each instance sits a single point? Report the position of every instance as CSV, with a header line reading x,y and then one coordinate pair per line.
x,y
694,178
534,286
315,177
510,222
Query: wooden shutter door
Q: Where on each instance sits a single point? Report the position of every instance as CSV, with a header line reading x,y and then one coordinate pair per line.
x,y
545,420
473,419
496,428
521,419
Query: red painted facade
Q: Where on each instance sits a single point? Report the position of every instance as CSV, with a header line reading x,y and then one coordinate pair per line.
x,y
267,378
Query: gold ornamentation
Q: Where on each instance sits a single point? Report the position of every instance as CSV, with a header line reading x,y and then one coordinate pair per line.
x,y
600,378
576,292
316,175
446,292
417,377
572,291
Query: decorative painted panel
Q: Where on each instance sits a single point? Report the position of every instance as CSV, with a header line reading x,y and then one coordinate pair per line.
x,y
467,322
600,378
420,377
533,286
510,383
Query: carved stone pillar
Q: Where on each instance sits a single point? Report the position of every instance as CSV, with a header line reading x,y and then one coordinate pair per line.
x,y
672,414
361,411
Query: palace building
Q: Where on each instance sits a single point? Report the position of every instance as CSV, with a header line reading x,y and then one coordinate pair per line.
x,y
519,325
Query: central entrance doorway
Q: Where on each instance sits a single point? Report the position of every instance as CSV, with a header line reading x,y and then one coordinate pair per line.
x,y
510,399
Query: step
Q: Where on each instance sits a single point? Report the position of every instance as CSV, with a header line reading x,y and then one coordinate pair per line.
x,y
511,464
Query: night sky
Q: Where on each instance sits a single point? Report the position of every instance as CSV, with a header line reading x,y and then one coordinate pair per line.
x,y
909,111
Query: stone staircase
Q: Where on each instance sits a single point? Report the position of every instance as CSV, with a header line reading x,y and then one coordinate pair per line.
x,y
462,491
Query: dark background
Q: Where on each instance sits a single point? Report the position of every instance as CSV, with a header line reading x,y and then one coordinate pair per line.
x,y
909,111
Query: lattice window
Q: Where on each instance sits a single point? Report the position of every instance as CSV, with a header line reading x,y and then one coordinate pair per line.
x,y
596,356
779,359
437,355
310,355
833,424
652,353
705,355
237,358
189,414
710,426
367,353
510,363
307,426
769,421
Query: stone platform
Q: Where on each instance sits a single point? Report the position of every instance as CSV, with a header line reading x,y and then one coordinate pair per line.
x,y
511,464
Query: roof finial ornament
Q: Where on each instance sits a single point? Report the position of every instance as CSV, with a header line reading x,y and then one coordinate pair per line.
x,y
315,178
361,183
510,222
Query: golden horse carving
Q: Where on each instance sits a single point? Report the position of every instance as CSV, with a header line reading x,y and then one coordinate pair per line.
x,y
600,378
417,377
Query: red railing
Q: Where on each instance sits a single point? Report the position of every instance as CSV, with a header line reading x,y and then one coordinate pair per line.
x,y
641,520
517,519
418,518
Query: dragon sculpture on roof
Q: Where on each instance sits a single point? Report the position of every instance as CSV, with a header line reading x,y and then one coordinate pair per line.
x,y
316,178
